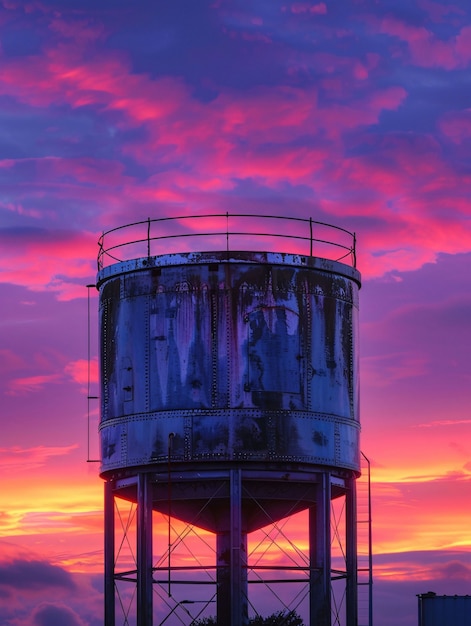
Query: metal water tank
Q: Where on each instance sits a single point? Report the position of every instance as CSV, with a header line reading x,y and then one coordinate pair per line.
x,y
238,370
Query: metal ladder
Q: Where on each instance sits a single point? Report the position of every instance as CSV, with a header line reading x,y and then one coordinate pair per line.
x,y
364,549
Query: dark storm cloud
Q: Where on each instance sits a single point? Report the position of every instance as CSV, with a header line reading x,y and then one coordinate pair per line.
x,y
55,615
33,575
454,571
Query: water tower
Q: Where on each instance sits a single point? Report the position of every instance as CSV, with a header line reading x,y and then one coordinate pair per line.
x,y
229,393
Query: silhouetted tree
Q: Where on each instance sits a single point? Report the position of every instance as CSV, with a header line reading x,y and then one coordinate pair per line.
x,y
277,619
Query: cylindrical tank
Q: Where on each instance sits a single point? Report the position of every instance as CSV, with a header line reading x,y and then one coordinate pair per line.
x,y
246,357
223,361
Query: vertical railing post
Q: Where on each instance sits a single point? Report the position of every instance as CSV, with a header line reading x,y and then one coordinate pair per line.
x,y
148,237
227,232
101,251
310,236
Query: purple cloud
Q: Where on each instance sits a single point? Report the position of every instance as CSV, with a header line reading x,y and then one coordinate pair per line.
x,y
55,615
33,575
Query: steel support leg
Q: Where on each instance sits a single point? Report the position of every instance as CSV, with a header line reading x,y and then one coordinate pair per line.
x,y
109,554
144,551
232,605
351,552
320,555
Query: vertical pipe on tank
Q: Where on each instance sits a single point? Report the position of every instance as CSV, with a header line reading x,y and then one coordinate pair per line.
x,y
109,554
320,554
351,552
232,604
144,550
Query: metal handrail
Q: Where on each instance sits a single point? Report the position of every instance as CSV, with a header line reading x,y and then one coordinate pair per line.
x,y
110,243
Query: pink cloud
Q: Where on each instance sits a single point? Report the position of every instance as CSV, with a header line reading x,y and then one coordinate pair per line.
x,y
10,361
319,8
78,371
82,31
108,83
59,261
207,147
463,45
340,74
457,126
437,11
410,185
61,75
27,7
20,209
65,522
272,117
25,459
64,173
443,424
30,384
425,49
360,71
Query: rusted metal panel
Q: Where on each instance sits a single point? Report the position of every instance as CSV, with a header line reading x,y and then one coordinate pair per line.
x,y
241,357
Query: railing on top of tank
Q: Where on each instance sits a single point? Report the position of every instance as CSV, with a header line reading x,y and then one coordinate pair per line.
x,y
226,231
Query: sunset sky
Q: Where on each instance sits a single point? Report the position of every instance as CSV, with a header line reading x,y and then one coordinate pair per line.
x,y
356,113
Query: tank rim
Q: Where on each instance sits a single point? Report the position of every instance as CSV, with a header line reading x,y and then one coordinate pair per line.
x,y
227,258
